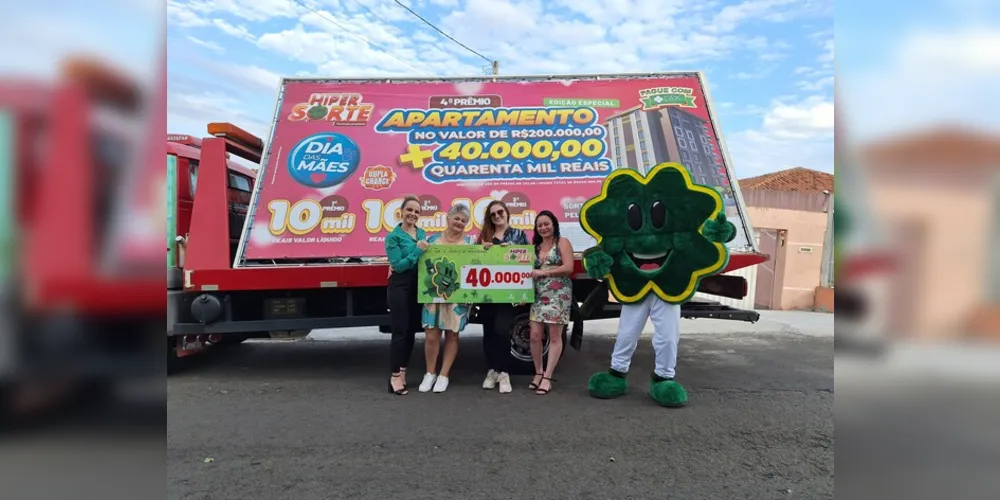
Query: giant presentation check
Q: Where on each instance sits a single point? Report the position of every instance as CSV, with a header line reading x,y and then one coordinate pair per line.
x,y
470,274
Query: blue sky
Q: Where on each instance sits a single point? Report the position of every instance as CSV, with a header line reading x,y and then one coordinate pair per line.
x,y
769,63
225,55
906,67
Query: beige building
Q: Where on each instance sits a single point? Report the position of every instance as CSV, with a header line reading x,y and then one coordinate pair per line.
x,y
936,195
788,210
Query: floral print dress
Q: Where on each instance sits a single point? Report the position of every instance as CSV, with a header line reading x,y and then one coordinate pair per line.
x,y
553,295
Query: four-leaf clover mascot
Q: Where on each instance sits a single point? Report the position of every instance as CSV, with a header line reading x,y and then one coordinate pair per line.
x,y
657,237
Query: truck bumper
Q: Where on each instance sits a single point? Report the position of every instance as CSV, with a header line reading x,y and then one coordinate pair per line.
x,y
232,315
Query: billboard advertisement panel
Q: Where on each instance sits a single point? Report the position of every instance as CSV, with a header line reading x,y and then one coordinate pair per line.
x,y
343,155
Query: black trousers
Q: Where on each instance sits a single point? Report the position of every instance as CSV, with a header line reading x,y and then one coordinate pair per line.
x,y
404,317
496,344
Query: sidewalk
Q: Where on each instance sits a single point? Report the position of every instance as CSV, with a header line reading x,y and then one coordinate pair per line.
x,y
811,324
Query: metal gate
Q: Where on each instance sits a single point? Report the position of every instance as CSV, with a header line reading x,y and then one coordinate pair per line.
x,y
767,241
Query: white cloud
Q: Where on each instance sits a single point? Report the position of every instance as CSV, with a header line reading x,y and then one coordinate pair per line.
x,y
975,51
791,134
934,78
420,36
815,85
214,47
827,56
820,76
254,76
755,75
612,37
811,117
776,11
192,111
251,10
247,77
181,14
731,16
615,13
233,30
335,52
297,44
733,109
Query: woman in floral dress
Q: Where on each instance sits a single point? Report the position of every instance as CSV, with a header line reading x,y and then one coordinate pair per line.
x,y
553,297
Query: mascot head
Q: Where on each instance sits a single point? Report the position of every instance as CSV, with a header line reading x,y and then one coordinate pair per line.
x,y
660,233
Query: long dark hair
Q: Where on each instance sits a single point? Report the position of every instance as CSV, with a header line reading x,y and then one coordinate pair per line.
x,y
490,229
536,239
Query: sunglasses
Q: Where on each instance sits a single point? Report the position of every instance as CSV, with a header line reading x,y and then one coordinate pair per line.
x,y
497,213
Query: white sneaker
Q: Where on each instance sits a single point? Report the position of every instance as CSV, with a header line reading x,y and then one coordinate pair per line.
x,y
491,380
441,384
428,382
504,380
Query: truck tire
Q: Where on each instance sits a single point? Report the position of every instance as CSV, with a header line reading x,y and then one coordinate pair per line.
x,y
519,333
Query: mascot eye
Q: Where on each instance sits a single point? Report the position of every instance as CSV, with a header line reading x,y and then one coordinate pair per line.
x,y
658,215
634,217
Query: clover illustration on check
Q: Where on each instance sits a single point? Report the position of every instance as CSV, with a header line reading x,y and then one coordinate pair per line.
x,y
442,277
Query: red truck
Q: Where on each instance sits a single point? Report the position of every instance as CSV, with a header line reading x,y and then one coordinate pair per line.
x,y
343,153
82,303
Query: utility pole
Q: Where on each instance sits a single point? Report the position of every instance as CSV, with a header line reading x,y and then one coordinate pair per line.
x,y
496,68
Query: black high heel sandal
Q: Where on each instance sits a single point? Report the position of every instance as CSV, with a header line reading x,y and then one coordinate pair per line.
x,y
533,386
541,392
399,392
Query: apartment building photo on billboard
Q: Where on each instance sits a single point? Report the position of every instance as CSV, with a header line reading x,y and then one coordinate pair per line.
x,y
640,139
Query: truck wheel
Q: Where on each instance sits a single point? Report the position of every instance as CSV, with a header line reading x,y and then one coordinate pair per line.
x,y
519,331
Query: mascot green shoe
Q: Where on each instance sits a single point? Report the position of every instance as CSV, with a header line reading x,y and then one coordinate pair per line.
x,y
667,392
657,237
607,385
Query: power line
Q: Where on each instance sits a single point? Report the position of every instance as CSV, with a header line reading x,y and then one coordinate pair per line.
x,y
359,37
376,16
428,23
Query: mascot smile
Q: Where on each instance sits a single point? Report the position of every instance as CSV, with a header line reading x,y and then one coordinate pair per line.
x,y
657,237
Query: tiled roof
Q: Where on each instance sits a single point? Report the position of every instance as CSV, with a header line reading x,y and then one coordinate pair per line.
x,y
798,179
946,147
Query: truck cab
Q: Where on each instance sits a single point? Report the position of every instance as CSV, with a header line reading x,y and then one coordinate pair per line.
x,y
184,159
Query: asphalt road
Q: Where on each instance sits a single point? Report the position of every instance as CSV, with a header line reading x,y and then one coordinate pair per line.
x,y
311,419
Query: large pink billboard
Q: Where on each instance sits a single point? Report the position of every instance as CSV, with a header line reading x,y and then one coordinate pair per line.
x,y
343,154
